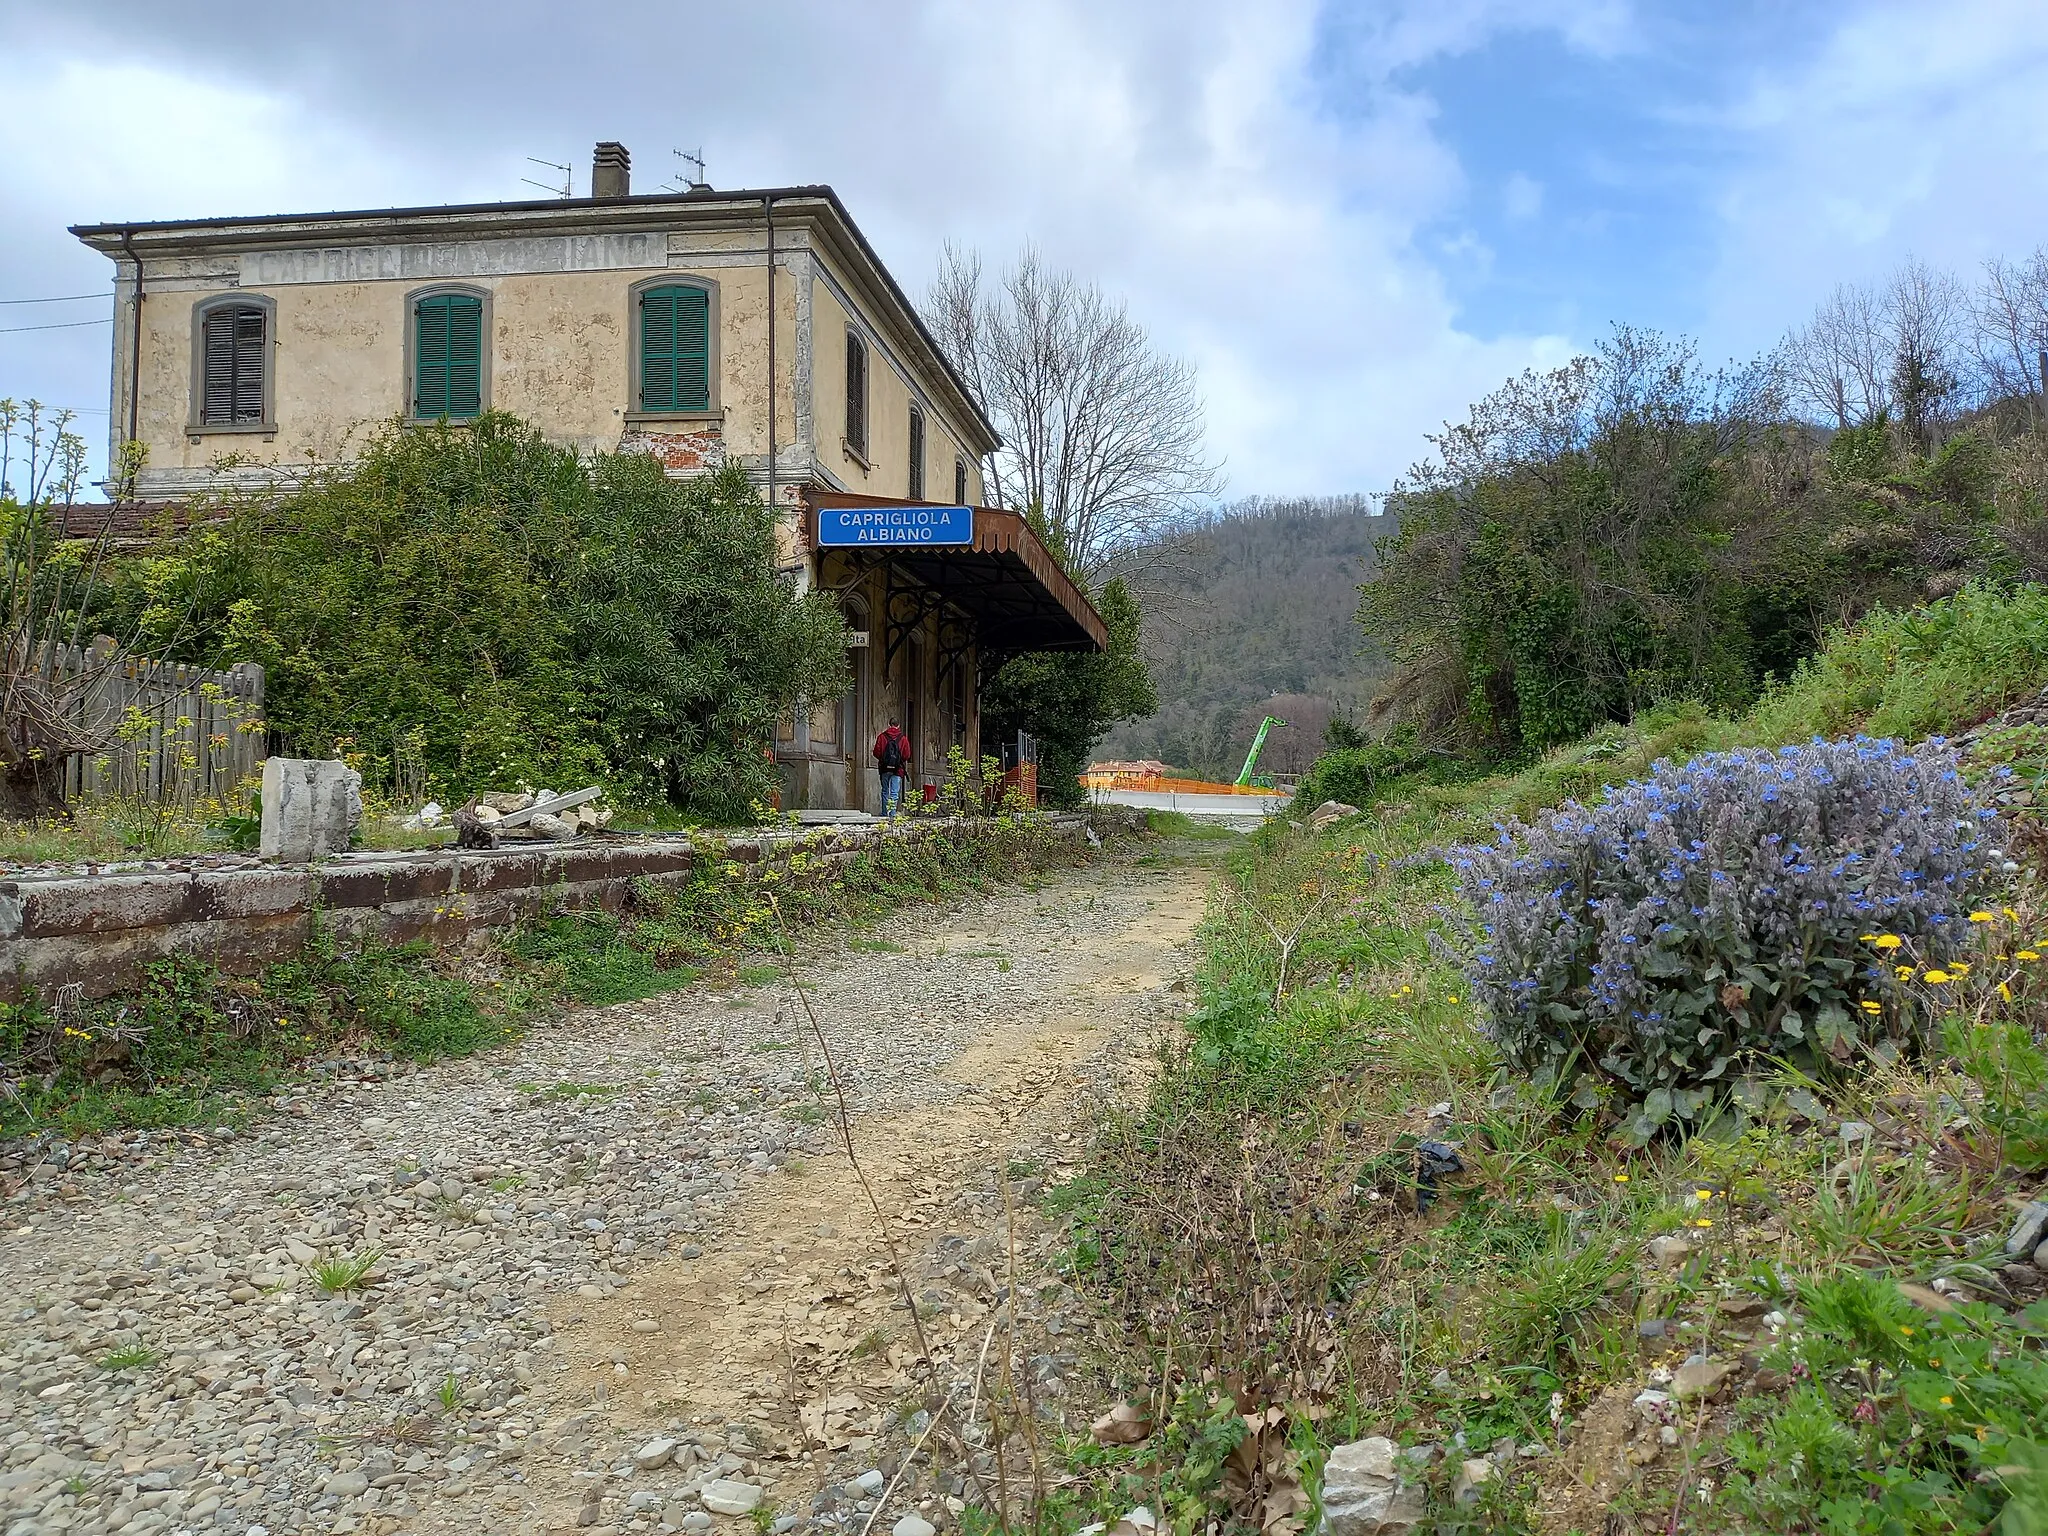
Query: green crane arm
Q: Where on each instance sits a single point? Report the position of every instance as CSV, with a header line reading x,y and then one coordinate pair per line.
x,y
1251,760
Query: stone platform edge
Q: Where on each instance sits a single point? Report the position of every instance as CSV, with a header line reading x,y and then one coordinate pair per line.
x,y
100,932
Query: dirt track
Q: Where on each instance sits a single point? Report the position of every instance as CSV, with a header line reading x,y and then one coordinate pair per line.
x,y
635,1227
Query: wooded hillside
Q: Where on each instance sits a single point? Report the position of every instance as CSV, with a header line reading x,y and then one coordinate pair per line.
x,y
1255,613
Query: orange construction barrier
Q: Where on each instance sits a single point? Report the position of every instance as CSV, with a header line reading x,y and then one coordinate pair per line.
x,y
1160,783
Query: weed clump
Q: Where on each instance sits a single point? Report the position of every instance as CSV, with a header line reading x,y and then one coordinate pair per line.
x,y
1721,912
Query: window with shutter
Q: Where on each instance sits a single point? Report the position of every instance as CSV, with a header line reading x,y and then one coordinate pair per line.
x,y
959,482
675,349
448,357
856,393
916,454
235,349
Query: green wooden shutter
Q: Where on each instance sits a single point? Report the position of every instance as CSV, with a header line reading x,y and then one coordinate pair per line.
x,y
448,357
675,349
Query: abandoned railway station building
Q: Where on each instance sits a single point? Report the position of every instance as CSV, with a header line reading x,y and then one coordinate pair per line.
x,y
704,327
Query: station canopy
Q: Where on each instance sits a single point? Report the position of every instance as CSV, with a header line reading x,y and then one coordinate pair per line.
x,y
1002,577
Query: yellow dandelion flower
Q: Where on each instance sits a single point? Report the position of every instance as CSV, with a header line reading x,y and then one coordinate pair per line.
x,y
1906,1329
1980,917
2026,954
1704,1194
1703,1222
1936,977
1887,941
1948,1402
1454,997
1621,1178
1902,971
1960,968
2005,992
2008,911
1870,1007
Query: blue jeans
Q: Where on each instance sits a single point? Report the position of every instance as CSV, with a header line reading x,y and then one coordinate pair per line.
x,y
892,794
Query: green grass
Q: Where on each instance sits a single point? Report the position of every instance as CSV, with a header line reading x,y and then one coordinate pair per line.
x,y
128,1357
1182,827
759,975
1255,1220
339,1276
559,1093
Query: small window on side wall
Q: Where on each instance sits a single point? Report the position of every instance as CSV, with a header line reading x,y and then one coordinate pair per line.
x,y
916,454
856,394
675,349
448,357
959,482
234,343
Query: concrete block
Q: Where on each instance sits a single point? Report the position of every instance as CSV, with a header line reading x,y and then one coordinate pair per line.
x,y
311,808
106,903
387,880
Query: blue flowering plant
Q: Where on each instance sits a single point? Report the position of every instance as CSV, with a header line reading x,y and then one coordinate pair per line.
x,y
1659,944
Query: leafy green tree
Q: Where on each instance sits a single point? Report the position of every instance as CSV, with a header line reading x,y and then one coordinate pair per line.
x,y
1629,529
417,588
519,611
694,640
1067,699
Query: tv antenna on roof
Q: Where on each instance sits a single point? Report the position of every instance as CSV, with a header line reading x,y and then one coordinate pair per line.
x,y
695,160
568,187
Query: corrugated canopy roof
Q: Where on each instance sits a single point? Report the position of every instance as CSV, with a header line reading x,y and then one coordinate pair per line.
x,y
1006,579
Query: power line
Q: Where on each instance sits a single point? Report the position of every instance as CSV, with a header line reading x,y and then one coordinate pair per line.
x,y
62,298
62,325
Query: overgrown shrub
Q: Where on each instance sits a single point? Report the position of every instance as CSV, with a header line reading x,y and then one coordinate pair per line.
x,y
1355,775
1721,912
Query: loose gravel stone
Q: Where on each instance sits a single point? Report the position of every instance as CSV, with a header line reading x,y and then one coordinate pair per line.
x,y
170,1359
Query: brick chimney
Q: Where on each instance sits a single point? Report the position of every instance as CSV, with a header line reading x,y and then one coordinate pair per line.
x,y
611,171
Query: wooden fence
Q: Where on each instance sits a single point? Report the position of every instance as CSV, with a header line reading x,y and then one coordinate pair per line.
x,y
185,734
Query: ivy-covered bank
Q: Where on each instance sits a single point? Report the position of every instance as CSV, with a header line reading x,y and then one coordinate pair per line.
x,y
193,1043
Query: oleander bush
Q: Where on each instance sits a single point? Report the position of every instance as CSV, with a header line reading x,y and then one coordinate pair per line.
x,y
1655,945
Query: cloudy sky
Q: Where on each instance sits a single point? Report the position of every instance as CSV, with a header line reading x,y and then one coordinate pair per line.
x,y
1354,217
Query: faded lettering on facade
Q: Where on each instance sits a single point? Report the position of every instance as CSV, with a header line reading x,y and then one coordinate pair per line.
x,y
451,260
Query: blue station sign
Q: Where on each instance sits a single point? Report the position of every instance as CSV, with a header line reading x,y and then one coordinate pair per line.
x,y
875,527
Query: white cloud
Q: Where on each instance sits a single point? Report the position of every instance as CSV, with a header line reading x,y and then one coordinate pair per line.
x,y
1911,130
1182,155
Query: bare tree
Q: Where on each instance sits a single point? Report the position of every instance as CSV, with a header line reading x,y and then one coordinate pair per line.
x,y
2012,330
1838,363
1103,436
1925,311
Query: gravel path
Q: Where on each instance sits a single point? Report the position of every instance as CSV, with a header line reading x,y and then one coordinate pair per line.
x,y
627,1278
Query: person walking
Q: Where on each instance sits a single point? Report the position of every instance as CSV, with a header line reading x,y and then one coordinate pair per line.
x,y
892,761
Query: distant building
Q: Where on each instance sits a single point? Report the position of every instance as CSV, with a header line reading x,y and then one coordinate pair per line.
x,y
245,349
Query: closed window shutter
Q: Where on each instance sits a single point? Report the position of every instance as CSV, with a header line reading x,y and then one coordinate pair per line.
x,y
448,357
916,454
233,347
675,349
960,482
857,392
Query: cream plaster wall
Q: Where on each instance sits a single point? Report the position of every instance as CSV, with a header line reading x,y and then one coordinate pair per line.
x,y
889,400
558,356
